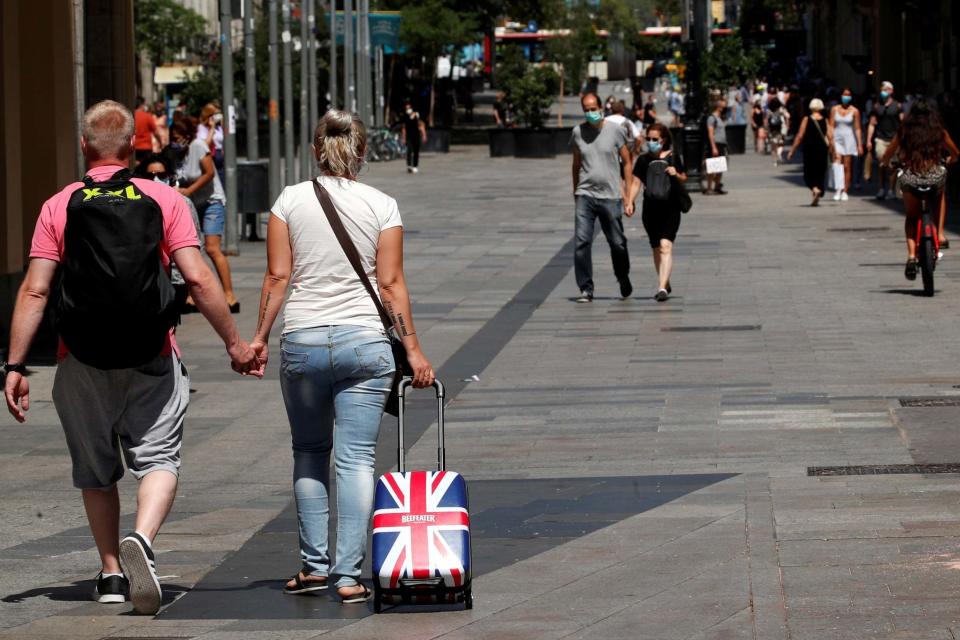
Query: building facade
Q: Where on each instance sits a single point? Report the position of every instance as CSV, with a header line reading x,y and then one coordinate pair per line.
x,y
57,57
859,43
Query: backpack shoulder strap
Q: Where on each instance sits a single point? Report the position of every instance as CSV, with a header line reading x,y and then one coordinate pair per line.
x,y
121,176
349,249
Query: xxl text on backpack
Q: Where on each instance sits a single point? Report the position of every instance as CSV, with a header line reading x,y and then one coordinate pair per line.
x,y
116,300
657,185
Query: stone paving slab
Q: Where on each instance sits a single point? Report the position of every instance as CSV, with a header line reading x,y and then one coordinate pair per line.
x,y
790,339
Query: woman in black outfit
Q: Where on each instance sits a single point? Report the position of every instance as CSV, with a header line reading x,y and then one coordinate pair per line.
x,y
816,151
661,208
756,124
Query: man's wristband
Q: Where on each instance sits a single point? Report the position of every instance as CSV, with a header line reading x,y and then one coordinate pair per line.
x,y
11,367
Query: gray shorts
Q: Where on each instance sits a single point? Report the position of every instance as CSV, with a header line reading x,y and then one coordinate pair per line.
x,y
134,412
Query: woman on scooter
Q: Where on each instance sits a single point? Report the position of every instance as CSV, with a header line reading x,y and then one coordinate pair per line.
x,y
919,147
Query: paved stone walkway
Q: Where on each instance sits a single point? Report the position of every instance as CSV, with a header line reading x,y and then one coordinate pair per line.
x,y
637,470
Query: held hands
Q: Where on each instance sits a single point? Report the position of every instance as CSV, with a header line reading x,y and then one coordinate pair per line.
x,y
263,352
629,208
244,360
671,171
423,375
17,393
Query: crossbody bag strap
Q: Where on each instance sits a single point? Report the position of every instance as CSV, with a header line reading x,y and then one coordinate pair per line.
x,y
350,249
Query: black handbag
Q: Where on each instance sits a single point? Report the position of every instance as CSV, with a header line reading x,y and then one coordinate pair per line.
x,y
399,351
684,201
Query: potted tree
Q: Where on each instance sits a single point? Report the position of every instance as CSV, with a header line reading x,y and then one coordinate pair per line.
x,y
730,63
532,96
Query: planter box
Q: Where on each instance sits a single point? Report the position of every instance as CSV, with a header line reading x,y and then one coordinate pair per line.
x,y
438,140
736,139
534,143
561,140
502,143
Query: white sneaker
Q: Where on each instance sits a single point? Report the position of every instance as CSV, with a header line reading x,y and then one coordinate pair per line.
x,y
416,170
843,196
836,196
881,194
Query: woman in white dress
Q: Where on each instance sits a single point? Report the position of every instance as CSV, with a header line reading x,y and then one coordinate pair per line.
x,y
844,130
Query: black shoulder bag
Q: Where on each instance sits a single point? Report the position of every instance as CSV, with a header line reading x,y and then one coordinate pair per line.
x,y
679,190
350,250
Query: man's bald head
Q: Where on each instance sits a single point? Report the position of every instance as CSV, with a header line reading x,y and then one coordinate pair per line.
x,y
590,102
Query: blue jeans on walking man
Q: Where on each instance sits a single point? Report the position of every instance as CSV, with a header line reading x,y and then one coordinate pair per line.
x,y
610,214
341,373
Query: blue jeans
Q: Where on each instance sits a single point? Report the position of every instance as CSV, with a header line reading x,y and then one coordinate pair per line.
x,y
214,216
610,213
341,373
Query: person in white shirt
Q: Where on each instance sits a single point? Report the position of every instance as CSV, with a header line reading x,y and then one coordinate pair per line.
x,y
634,133
336,361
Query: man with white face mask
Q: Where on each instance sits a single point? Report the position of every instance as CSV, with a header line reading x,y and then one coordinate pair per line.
x,y
884,122
413,134
600,158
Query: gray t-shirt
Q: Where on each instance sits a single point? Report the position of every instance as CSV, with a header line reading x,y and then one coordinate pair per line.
x,y
600,173
719,129
190,170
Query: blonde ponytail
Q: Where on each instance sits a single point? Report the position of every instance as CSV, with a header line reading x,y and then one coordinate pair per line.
x,y
340,141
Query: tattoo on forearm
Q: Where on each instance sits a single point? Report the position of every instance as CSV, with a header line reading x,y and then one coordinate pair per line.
x,y
263,313
402,323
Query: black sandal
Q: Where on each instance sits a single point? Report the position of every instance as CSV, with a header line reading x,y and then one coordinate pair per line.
x,y
358,598
303,587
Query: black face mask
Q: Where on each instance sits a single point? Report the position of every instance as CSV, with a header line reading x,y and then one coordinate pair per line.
x,y
178,150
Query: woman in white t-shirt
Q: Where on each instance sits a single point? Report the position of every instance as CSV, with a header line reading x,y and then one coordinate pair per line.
x,y
336,363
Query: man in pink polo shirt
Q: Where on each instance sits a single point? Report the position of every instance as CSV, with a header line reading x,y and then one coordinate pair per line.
x,y
111,386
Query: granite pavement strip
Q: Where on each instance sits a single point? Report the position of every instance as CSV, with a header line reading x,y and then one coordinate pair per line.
x,y
798,335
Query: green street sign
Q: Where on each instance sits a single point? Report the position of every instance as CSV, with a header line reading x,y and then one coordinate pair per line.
x,y
384,30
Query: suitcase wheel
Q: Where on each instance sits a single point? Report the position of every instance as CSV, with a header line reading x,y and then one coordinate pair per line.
x,y
468,599
377,601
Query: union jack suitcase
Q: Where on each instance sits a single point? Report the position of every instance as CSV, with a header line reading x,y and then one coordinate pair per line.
x,y
421,530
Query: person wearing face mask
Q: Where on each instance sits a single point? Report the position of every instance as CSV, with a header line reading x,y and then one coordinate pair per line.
x,y
414,133
160,168
884,122
210,130
660,172
199,181
717,137
844,125
601,157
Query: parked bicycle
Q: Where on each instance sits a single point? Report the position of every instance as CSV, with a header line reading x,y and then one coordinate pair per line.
x,y
384,145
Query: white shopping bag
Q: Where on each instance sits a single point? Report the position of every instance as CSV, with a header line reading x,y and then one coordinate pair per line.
x,y
717,165
837,178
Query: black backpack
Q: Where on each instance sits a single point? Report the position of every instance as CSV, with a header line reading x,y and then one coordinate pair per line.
x,y
657,186
117,303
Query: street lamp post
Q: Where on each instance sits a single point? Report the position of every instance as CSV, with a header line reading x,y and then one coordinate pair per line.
x,y
333,55
229,134
273,110
289,158
697,38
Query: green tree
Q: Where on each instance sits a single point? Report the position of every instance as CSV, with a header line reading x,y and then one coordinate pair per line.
x,y
162,28
431,29
575,50
730,62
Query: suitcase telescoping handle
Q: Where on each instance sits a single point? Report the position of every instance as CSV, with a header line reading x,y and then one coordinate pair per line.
x,y
405,384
